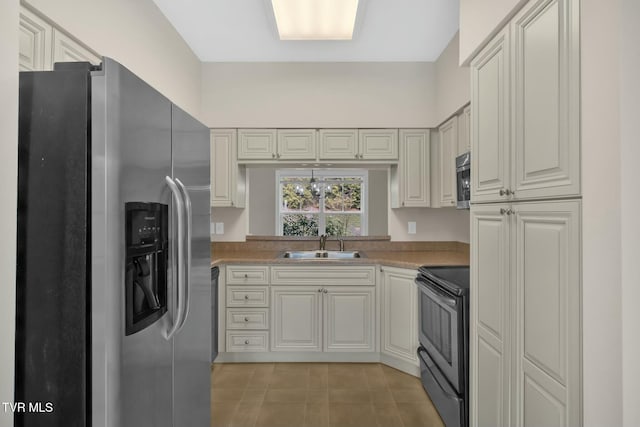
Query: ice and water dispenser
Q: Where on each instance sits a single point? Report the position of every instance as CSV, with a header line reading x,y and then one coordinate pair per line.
x,y
146,264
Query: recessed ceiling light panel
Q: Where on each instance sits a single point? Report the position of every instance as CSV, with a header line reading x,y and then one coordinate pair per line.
x,y
315,19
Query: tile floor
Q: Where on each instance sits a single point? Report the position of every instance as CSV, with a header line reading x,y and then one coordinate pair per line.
x,y
318,394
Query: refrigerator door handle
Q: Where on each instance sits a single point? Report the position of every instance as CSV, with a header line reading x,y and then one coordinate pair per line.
x,y
188,218
177,197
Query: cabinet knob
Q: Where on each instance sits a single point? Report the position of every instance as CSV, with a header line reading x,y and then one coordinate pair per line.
x,y
503,210
325,291
246,276
502,192
246,342
246,297
362,156
232,203
273,155
356,156
319,290
246,319
402,203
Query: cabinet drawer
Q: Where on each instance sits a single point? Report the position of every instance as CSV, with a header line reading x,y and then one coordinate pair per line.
x,y
247,275
325,275
247,318
246,296
247,340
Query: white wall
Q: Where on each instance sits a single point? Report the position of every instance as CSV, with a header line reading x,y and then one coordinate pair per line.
x,y
601,232
319,95
235,221
8,185
136,34
443,224
453,83
629,154
480,20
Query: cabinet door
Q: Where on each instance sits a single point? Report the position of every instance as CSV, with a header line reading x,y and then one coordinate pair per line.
x,y
547,95
547,349
296,144
490,333
338,144
490,121
414,168
66,49
296,318
349,318
464,131
448,149
223,145
256,144
34,42
400,314
378,144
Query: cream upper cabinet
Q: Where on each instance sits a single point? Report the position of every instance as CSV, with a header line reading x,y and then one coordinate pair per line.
x,y
448,149
296,144
526,124
42,44
66,49
490,106
378,144
257,144
490,323
227,178
464,130
525,314
338,144
399,314
410,180
35,45
296,318
349,318
546,114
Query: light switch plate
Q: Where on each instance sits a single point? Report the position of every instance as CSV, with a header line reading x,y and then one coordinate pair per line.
x,y
219,227
411,227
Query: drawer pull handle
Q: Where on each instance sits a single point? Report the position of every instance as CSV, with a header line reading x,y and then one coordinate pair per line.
x,y
246,342
246,276
246,319
246,297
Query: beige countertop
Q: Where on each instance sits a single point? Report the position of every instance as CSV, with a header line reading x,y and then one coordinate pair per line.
x,y
401,259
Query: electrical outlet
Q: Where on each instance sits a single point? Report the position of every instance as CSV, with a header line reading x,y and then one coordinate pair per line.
x,y
219,227
411,227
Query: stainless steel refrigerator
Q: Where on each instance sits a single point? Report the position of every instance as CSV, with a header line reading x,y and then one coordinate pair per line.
x,y
113,267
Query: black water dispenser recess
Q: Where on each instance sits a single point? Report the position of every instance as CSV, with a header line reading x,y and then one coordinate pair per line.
x,y
146,264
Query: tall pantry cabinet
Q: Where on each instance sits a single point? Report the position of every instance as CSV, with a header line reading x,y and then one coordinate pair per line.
x,y
525,222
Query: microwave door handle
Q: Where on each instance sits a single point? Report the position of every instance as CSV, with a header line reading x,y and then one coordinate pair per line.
x,y
188,220
177,265
428,363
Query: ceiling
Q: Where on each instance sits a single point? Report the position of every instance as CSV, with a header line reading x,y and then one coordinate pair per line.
x,y
245,31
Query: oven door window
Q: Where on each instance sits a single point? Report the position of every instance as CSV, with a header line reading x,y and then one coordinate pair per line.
x,y
439,331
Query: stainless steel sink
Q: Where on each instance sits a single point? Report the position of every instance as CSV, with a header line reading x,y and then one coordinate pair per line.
x,y
322,254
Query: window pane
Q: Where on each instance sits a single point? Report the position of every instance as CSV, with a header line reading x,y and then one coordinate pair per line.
x,y
333,197
344,225
299,225
352,196
297,196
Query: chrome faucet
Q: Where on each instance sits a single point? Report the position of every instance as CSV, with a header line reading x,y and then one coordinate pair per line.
x,y
323,241
341,245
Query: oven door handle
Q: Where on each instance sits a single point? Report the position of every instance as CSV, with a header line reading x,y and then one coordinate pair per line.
x,y
442,297
446,388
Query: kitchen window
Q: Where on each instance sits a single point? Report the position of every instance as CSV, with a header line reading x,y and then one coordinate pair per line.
x,y
331,202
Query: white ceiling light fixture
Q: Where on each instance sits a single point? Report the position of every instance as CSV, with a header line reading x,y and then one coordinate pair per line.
x,y
315,19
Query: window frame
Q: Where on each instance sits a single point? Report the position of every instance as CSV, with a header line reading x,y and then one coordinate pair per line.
x,y
363,174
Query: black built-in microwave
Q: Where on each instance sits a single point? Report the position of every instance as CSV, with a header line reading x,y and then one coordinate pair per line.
x,y
463,178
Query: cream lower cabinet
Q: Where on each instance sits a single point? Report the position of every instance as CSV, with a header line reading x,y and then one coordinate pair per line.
x,y
399,314
525,314
329,319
